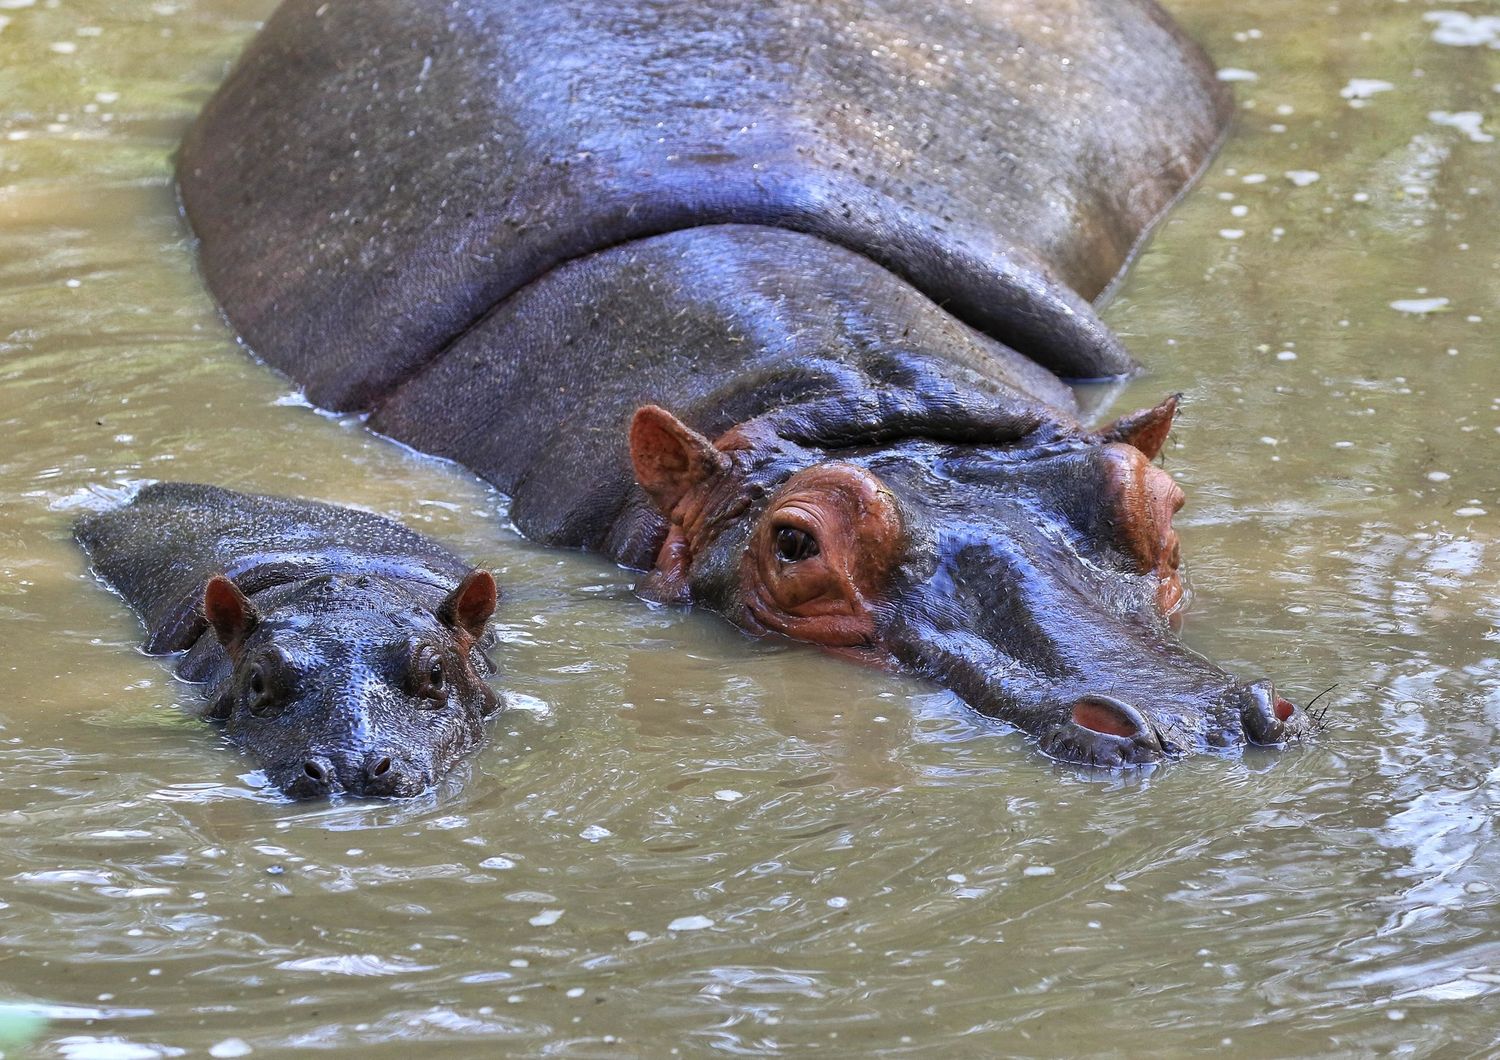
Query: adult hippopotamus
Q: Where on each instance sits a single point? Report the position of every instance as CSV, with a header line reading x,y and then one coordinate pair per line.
x,y
769,298
341,650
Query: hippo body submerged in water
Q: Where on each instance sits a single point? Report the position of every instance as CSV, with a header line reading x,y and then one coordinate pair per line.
x,y
341,650
769,298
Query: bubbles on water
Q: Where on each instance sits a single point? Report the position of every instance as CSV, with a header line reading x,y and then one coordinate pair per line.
x,y
691,923
1419,306
1302,178
1234,73
1468,122
1463,30
1361,89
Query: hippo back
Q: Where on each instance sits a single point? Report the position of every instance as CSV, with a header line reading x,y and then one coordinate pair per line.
x,y
375,177
159,551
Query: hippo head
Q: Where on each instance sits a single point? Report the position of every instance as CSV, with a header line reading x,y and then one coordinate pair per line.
x,y
351,684
1035,575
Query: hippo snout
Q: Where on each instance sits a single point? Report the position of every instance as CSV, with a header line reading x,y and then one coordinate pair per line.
x,y
378,774
1268,718
1107,732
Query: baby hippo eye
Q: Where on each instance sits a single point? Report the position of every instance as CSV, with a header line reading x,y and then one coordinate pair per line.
x,y
260,692
429,678
793,544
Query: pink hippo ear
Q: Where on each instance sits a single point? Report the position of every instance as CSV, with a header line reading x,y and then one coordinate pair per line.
x,y
671,459
229,611
469,606
1146,429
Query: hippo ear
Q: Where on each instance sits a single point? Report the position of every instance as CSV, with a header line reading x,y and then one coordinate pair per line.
x,y
229,611
469,606
670,458
1146,429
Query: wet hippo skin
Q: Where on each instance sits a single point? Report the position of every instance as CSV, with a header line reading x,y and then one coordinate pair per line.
x,y
342,651
771,300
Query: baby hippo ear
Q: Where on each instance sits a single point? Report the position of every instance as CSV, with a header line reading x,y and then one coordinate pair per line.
x,y
229,611
671,459
469,606
1146,429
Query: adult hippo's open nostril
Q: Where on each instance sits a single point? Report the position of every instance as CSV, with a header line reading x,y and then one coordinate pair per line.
x,y
1107,732
1267,717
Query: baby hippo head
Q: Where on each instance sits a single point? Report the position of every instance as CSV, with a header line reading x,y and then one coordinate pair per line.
x,y
354,684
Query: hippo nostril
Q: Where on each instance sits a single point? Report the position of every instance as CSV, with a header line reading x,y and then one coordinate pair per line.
x,y
1264,714
1106,732
315,770
381,767
1103,717
1107,715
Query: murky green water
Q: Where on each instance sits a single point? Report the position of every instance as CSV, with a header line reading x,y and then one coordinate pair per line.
x,y
854,863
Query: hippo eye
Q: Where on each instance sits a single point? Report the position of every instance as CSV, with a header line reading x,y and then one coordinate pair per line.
x,y
429,678
260,692
793,544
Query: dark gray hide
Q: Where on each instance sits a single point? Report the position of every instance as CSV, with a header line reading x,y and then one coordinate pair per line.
x,y
356,665
375,177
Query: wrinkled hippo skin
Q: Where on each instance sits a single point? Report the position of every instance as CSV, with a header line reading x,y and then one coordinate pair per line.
x,y
771,299
342,651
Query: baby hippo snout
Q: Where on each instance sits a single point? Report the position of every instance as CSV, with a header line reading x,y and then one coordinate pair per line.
x,y
378,774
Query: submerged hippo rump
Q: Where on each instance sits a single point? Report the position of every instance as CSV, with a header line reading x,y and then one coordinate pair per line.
x,y
342,651
769,298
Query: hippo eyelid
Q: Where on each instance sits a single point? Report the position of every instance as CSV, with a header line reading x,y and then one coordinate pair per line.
x,y
423,661
269,684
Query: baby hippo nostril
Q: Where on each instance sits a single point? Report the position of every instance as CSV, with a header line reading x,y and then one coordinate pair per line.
x,y
383,775
313,779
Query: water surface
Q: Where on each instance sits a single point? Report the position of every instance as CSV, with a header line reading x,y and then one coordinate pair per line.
x,y
691,843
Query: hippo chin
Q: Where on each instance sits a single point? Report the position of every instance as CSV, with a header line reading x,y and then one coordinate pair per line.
x,y
770,298
340,650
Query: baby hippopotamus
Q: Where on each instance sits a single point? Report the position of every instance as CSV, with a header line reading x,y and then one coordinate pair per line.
x,y
347,652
